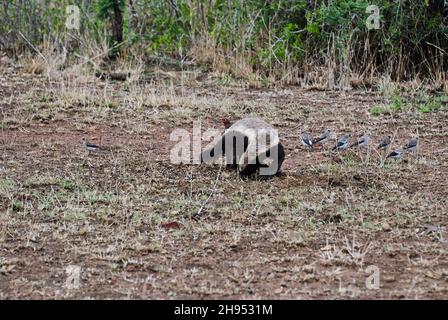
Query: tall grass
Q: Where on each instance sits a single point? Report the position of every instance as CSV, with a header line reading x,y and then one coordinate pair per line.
x,y
291,41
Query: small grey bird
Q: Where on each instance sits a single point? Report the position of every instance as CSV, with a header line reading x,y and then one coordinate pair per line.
x,y
362,141
90,146
324,137
396,154
384,143
342,143
307,141
411,146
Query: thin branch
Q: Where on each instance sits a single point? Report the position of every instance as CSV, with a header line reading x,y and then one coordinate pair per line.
x,y
197,215
31,45
437,47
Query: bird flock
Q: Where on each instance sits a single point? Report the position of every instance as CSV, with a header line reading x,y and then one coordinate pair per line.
x,y
342,143
363,141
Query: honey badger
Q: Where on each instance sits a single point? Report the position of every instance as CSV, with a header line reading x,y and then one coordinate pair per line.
x,y
249,145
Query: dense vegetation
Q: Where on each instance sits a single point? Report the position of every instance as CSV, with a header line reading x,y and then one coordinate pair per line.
x,y
278,40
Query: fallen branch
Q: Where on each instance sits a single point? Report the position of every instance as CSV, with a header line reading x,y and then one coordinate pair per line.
x,y
117,76
197,215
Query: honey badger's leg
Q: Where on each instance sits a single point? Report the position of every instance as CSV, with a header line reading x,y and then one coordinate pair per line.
x,y
215,152
281,156
249,170
232,144
247,161
271,161
236,146
268,164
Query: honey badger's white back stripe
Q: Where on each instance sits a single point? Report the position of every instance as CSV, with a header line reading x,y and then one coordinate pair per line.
x,y
253,123
262,136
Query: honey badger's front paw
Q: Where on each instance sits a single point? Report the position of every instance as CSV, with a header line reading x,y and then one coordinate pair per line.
x,y
248,170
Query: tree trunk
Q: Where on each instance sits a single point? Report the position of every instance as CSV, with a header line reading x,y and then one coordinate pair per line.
x,y
117,29
4,42
117,24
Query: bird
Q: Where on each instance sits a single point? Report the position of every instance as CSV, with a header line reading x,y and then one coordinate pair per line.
x,y
250,145
411,146
384,143
342,143
324,137
89,146
396,154
362,141
307,141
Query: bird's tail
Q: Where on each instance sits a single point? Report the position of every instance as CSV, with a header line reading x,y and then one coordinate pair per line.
x,y
317,140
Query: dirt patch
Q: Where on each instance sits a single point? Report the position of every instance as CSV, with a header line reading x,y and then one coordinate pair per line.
x,y
312,232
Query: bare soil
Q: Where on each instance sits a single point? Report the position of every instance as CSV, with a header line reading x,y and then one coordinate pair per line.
x,y
124,215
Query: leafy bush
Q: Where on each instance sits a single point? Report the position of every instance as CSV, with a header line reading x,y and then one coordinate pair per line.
x,y
273,38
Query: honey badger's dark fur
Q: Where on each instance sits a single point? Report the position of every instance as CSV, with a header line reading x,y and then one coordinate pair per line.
x,y
253,142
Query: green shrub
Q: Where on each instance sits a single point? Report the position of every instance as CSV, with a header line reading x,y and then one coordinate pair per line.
x,y
272,36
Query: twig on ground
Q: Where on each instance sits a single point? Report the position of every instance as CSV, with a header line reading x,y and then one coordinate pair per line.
x,y
197,215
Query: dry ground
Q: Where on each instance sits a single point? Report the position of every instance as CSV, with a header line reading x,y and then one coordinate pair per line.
x,y
310,233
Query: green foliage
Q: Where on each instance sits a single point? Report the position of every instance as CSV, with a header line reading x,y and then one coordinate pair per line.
x,y
378,110
67,184
397,103
270,35
105,8
400,104
431,106
112,11
16,205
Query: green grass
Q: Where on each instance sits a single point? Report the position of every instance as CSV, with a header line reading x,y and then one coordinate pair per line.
x,y
7,185
74,214
379,110
401,104
430,106
67,184
398,104
16,205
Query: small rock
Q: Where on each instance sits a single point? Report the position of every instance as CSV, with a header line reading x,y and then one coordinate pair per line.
x,y
308,269
386,226
278,290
